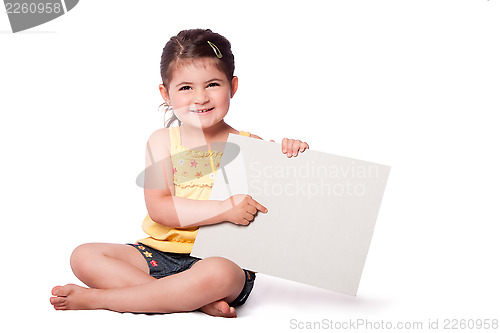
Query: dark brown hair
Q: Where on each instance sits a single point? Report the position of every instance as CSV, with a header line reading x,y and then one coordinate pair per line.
x,y
194,44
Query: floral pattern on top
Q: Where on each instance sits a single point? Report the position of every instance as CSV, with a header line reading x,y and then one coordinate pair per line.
x,y
194,167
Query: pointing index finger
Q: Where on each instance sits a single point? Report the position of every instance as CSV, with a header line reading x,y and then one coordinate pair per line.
x,y
259,206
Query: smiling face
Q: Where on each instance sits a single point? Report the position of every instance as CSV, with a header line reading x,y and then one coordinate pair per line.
x,y
199,92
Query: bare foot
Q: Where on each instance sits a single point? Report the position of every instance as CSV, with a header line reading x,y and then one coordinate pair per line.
x,y
219,309
72,297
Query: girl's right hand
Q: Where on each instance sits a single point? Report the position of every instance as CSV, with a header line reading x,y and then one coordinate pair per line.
x,y
241,209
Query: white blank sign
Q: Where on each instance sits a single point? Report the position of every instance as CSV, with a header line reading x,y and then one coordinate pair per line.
x,y
322,212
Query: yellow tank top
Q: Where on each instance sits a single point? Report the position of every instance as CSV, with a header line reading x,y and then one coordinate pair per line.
x,y
194,175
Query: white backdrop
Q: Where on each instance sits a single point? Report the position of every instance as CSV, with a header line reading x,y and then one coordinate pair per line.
x,y
410,84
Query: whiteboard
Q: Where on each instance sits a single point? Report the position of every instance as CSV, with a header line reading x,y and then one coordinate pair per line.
x,y
322,213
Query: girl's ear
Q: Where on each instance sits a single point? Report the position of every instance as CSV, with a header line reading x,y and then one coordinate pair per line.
x,y
164,93
234,85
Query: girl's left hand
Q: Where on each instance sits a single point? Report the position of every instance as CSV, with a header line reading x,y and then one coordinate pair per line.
x,y
292,147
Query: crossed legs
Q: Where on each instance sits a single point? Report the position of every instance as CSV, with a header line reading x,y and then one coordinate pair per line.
x,y
119,280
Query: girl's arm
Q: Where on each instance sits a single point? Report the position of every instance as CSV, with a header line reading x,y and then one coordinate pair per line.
x,y
165,208
178,212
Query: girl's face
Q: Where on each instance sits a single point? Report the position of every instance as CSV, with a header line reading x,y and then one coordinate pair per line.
x,y
199,93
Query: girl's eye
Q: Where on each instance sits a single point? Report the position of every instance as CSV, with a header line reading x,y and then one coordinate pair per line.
x,y
184,88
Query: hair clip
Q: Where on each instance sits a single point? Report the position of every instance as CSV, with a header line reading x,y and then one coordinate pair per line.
x,y
215,48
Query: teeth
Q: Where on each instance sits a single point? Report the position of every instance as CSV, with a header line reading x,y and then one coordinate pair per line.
x,y
202,111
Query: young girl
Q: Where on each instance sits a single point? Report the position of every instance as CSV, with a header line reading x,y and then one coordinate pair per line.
x,y
158,275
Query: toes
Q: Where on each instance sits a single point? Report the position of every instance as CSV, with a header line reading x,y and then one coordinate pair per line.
x,y
60,307
219,309
62,291
222,306
56,300
59,303
55,291
226,310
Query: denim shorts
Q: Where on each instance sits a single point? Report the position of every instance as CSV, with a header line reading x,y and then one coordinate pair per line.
x,y
162,264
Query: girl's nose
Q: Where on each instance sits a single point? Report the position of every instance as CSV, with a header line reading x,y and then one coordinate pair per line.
x,y
201,97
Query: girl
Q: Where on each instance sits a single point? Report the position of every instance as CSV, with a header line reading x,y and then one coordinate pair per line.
x,y
158,275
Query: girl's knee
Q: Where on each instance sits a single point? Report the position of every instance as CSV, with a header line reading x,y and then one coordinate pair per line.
x,y
82,255
223,274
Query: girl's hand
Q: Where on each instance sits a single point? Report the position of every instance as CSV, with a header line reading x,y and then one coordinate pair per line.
x,y
292,147
241,209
